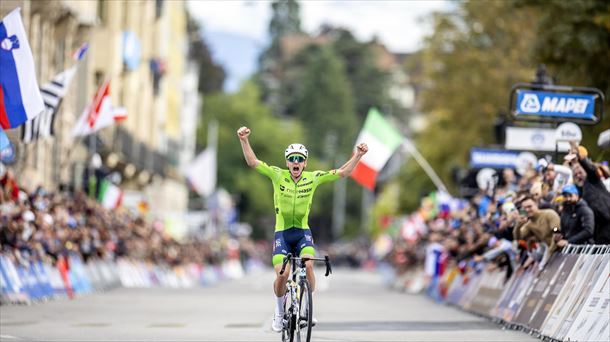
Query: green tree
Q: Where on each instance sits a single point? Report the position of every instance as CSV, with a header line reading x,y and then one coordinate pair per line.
x,y
211,74
285,21
325,104
469,63
368,81
576,48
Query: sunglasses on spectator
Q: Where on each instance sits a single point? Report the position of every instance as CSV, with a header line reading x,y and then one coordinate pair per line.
x,y
295,159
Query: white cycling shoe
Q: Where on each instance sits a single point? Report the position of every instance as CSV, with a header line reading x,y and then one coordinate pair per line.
x,y
277,323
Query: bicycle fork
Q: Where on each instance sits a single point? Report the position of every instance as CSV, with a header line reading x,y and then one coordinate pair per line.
x,y
293,296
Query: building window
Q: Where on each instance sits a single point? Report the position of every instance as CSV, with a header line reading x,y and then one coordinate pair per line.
x,y
99,78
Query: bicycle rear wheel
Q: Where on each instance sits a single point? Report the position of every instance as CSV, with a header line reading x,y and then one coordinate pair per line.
x,y
305,314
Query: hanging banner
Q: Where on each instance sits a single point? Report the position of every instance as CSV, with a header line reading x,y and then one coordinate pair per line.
x,y
535,102
492,158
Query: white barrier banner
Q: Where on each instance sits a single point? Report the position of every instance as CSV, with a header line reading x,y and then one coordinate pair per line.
x,y
593,318
582,293
565,298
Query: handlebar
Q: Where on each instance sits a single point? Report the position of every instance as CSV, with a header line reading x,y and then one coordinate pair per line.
x,y
286,261
326,261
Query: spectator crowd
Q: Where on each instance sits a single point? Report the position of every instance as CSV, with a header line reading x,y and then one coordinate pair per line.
x,y
45,226
514,223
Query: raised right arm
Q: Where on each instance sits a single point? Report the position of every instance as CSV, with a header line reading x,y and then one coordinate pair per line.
x,y
251,160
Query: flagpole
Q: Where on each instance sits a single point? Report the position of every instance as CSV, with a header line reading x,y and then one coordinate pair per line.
x,y
56,147
213,143
409,147
92,148
368,198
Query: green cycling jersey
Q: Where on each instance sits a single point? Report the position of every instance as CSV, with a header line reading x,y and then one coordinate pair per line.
x,y
292,201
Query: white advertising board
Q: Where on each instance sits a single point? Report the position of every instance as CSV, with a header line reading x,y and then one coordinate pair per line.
x,y
533,139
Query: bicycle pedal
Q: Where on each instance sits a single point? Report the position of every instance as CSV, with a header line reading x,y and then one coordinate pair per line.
x,y
303,323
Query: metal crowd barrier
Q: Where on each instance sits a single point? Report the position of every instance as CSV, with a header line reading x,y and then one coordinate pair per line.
x,y
568,300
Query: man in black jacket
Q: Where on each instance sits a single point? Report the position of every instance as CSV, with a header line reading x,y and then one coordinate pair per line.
x,y
576,218
593,191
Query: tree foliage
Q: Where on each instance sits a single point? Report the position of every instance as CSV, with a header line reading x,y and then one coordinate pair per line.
x,y
474,55
285,20
211,74
325,104
369,83
573,40
469,63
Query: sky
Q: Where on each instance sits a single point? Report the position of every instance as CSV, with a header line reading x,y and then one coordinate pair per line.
x,y
237,30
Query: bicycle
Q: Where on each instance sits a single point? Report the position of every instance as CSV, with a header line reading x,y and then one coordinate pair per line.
x,y
297,288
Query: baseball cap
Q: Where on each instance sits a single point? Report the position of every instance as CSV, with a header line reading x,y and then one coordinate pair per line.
x,y
570,189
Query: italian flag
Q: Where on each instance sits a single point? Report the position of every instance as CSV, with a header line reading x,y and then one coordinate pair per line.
x,y
382,139
110,195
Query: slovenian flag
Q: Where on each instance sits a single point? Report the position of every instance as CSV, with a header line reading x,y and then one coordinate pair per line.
x,y
20,98
382,139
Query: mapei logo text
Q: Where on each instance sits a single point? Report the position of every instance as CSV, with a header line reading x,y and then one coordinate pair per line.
x,y
530,104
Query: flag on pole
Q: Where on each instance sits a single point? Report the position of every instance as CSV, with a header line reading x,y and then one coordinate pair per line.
x,y
52,94
99,114
110,195
81,52
201,174
382,139
20,98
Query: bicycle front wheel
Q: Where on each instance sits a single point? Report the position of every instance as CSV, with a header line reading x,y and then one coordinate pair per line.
x,y
305,313
289,320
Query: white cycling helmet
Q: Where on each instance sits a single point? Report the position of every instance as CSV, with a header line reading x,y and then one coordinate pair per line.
x,y
296,148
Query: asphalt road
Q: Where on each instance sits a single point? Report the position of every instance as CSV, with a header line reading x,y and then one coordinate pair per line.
x,y
350,306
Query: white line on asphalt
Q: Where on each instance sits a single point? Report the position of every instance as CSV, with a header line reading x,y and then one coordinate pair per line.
x,y
7,336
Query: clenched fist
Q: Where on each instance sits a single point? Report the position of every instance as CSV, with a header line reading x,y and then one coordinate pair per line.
x,y
362,149
243,133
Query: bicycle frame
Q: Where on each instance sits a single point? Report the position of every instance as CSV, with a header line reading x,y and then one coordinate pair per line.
x,y
298,274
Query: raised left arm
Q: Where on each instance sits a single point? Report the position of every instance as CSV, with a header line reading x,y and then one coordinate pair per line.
x,y
348,167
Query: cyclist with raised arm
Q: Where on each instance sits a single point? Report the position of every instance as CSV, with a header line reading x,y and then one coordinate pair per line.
x,y
293,190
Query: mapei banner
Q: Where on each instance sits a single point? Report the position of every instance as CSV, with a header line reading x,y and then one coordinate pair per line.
x,y
540,103
533,102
